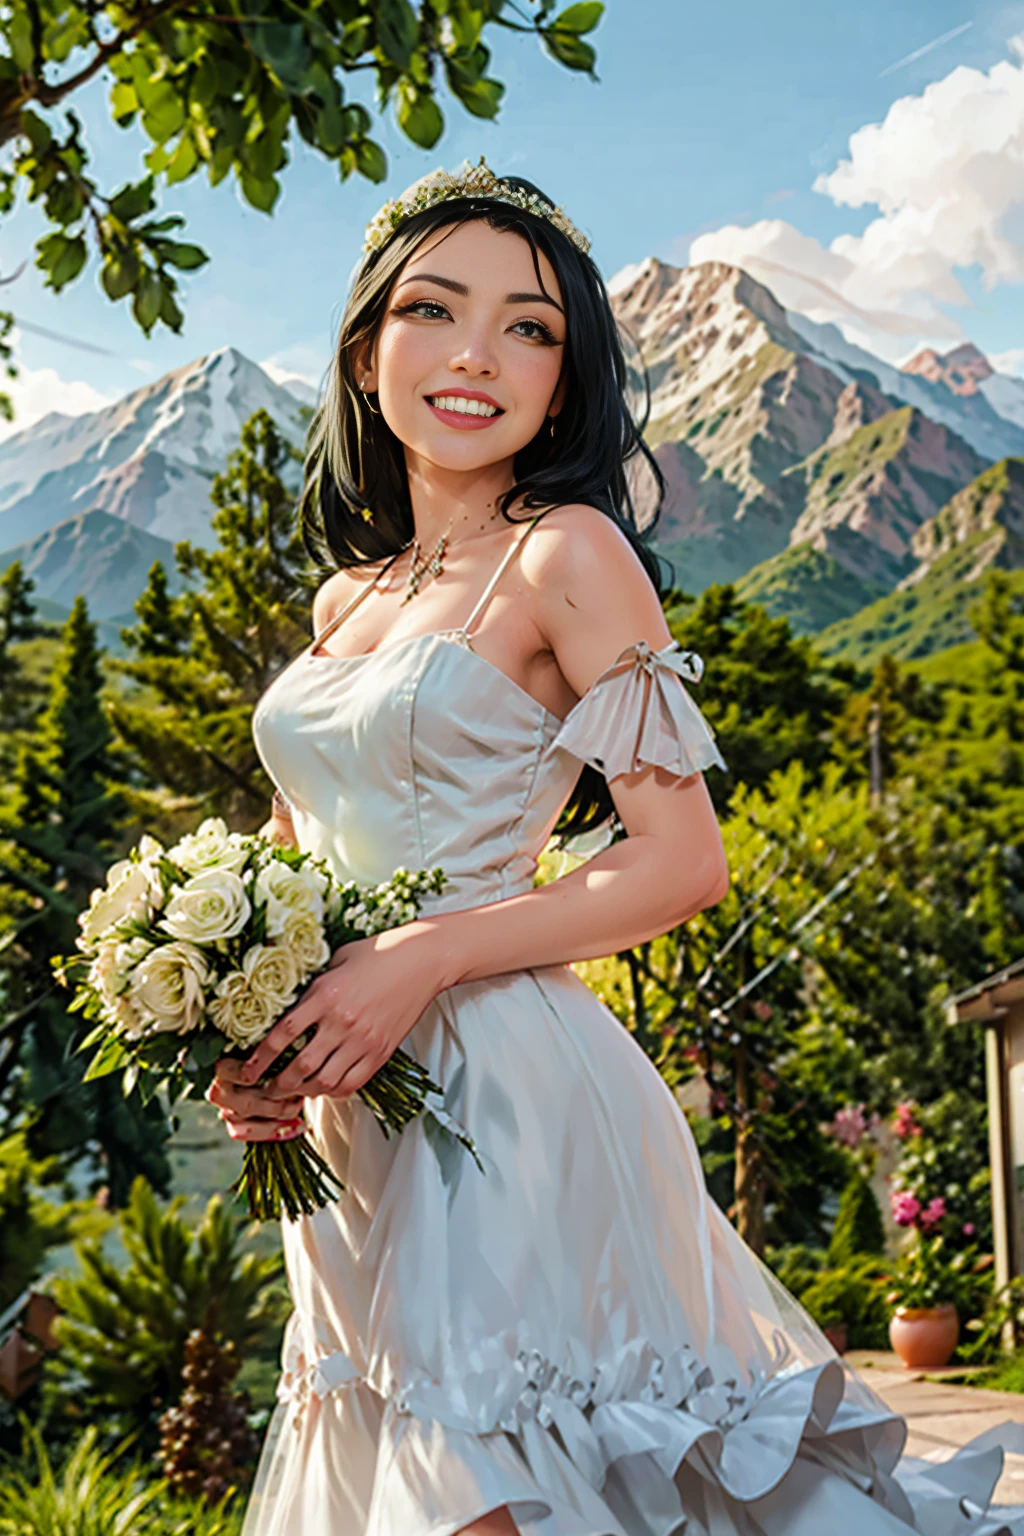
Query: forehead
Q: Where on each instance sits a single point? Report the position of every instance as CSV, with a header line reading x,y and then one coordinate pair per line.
x,y
483,259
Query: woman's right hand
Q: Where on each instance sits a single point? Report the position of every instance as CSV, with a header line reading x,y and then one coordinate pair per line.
x,y
254,1113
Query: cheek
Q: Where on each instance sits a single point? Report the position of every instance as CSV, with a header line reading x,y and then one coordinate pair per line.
x,y
533,376
406,357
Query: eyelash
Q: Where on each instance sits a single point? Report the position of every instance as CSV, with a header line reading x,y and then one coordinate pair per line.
x,y
546,336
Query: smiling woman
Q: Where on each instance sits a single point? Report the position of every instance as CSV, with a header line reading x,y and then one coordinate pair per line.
x,y
568,1339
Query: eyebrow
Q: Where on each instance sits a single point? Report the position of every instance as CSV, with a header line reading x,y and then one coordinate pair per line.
x,y
460,288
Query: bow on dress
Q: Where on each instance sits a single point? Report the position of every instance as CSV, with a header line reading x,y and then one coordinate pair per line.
x,y
637,711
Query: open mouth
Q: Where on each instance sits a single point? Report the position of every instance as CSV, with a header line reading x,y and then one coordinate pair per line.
x,y
463,412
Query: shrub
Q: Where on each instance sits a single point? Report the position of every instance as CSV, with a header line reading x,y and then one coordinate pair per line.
x,y
853,1295
123,1330
858,1225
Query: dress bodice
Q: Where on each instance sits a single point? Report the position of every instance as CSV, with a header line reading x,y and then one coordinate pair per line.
x,y
423,753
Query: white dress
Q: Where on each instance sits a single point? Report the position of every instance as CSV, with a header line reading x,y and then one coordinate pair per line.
x,y
576,1332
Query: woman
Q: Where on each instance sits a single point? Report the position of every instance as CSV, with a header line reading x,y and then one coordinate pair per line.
x,y
572,1340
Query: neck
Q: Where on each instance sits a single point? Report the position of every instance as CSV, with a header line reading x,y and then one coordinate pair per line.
x,y
462,503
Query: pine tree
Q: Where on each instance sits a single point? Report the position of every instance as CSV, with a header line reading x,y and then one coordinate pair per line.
x,y
18,694
202,660
59,831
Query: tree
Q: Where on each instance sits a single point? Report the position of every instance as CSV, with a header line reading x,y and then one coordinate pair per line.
x,y
203,659
123,1330
18,622
218,87
59,829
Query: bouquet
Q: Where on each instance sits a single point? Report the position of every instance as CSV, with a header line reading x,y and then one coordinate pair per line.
x,y
194,952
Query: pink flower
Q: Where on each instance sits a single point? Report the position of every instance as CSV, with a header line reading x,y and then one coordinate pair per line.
x,y
932,1214
968,1229
906,1208
849,1126
762,1011
903,1123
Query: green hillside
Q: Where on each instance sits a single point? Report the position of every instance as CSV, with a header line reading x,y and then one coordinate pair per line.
x,y
809,588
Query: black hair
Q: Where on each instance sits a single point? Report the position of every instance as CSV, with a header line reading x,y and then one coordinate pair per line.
x,y
355,506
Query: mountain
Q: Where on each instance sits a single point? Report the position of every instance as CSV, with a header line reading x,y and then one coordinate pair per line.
x,y
773,432
962,371
104,557
149,459
982,527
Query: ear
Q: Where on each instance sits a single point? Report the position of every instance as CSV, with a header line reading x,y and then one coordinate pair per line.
x,y
558,398
365,370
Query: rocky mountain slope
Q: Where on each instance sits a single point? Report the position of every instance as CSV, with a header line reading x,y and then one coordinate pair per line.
x,y
106,558
982,527
148,459
759,422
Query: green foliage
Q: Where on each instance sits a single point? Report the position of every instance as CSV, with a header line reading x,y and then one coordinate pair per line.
x,y
809,588
95,1494
215,91
30,1221
203,659
855,1296
60,824
947,1158
928,1273
858,1226
124,1329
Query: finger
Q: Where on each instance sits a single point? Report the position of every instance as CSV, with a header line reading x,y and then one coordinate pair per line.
x,y
265,1130
256,1101
229,1068
345,1076
307,1063
287,1029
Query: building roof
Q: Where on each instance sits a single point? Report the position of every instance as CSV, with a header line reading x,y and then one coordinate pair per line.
x,y
990,998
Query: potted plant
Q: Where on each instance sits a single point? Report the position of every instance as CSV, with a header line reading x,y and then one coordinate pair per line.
x,y
924,1329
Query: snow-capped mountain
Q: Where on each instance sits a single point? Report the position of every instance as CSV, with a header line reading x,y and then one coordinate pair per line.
x,y
149,458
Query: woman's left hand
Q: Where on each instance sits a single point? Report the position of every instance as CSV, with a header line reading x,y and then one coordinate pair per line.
x,y
363,1006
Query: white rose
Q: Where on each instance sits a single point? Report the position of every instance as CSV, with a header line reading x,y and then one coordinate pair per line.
x,y
239,1012
210,846
286,892
272,974
149,847
167,987
212,905
304,936
127,895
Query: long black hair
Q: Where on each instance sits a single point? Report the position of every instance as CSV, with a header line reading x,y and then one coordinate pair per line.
x,y
355,506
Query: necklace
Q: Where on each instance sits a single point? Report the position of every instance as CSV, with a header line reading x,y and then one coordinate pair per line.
x,y
423,565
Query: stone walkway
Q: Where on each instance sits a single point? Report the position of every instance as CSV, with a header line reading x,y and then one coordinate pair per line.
x,y
941,1416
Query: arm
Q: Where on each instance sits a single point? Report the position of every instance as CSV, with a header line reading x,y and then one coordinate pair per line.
x,y
597,601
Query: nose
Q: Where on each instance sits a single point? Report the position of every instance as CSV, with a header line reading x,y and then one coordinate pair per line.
x,y
475,355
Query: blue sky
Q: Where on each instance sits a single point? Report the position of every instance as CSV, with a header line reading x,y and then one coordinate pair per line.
x,y
710,123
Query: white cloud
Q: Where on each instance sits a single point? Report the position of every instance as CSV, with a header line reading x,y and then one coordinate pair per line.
x,y
38,391
945,169
1011,362
299,361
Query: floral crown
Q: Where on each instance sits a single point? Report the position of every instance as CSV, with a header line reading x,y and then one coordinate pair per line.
x,y
468,181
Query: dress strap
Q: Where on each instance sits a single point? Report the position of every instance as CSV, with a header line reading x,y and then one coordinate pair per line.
x,y
352,603
485,594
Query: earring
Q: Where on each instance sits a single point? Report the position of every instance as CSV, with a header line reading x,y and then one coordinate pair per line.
x,y
373,409
551,425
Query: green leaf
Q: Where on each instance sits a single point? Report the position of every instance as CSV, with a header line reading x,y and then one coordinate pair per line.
x,y
69,259
371,161
480,97
109,1058
397,31
19,33
583,17
419,116
170,314
284,49
123,103
185,257
37,132
133,200
146,303
570,51
184,160
260,192
119,274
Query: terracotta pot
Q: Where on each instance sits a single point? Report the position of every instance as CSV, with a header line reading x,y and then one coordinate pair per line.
x,y
924,1337
838,1337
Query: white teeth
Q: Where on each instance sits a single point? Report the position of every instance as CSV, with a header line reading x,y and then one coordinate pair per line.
x,y
462,406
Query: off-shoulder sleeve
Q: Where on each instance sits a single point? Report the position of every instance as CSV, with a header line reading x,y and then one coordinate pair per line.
x,y
638,711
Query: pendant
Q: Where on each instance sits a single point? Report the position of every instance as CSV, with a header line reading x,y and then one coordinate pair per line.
x,y
434,564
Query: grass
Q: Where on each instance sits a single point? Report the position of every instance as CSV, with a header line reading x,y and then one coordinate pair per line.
x,y
807,587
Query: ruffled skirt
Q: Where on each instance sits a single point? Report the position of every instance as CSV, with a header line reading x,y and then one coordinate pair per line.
x,y
575,1332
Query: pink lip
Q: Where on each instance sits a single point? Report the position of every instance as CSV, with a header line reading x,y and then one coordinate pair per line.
x,y
458,419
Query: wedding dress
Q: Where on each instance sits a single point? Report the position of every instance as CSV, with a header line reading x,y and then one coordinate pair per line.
x,y
577,1331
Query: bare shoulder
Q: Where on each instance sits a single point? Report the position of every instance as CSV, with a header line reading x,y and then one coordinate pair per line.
x,y
335,591
593,595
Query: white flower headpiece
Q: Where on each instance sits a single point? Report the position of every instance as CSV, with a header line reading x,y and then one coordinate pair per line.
x,y
469,180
